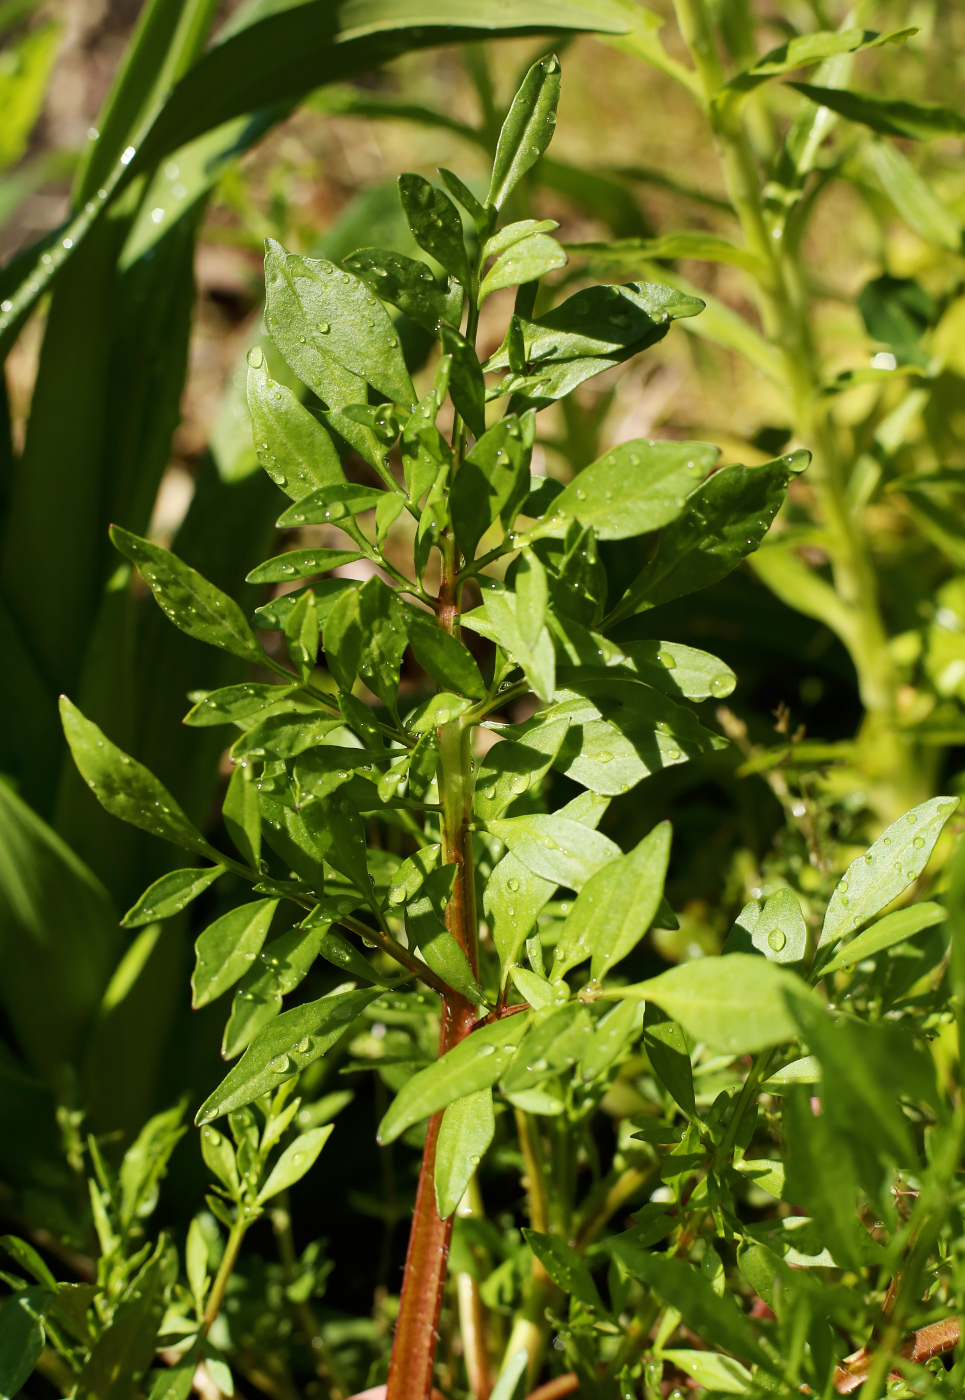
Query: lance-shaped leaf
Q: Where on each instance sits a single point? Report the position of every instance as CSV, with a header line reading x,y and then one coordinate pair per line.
x,y
188,599
406,283
125,787
283,964
895,860
679,670
301,634
436,225
554,1042
291,1042
615,908
527,130
443,658
669,1056
22,1337
512,767
637,487
298,1158
916,121
493,480
556,847
330,504
538,661
170,894
292,445
474,1064
236,702
736,1005
467,387
228,947
805,49
467,1129
318,312
302,563
725,519
566,1268
886,933
426,929
612,1033
525,261
242,815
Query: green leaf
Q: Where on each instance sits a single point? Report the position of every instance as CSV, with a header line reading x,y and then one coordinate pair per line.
x,y
512,767
615,908
406,283
219,1158
466,198
284,735
443,658
285,1047
188,600
283,964
705,247
436,226
556,847
565,1267
412,874
242,815
511,1384
302,563
292,445
554,1043
317,313
29,1260
895,860
467,1129
237,702
916,121
441,709
724,519
228,947
196,1263
539,661
467,387
914,198
531,588
273,616
669,1056
612,1034
335,948
679,670
526,261
125,788
330,504
297,1159
777,930
21,1338
527,130
174,1382
493,480
426,930
805,49
366,634
715,1319
893,928
736,1005
721,1375
170,894
474,1064
301,634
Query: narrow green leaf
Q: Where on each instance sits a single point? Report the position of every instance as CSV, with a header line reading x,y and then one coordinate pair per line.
x,y
527,130
669,1056
441,709
283,964
21,1338
566,1268
526,261
285,1047
189,600
406,283
467,387
335,948
436,226
736,1005
125,787
318,313
242,815
895,860
914,198
236,702
228,947
474,1064
292,445
805,49
426,930
701,246
301,634
893,928
721,1375
531,588
219,1157
493,480
411,874
170,894
330,504
297,1159
467,1129
273,616
512,767
556,847
916,121
29,1260
511,1384
553,1044
724,519
466,198
539,661
302,563
444,659
196,1263
679,670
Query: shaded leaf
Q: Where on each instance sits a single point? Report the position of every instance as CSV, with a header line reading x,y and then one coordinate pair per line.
x,y
228,947
170,894
466,1131
566,1268
292,445
436,226
406,283
916,121
298,1158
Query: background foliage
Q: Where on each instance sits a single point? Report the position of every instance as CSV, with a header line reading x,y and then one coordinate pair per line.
x,y
826,241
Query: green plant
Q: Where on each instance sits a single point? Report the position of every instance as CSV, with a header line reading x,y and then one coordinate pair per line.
x,y
367,798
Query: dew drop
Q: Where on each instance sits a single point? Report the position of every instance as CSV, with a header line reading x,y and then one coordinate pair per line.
x,y
776,939
279,1064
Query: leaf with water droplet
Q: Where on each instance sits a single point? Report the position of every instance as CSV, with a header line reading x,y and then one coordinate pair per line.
x,y
228,947
467,1129
894,928
873,883
170,894
475,1063
777,930
236,702
525,133
297,1159
566,1267
554,1043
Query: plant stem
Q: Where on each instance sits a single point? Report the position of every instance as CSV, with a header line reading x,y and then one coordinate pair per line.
x,y
228,1261
325,1364
472,1313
